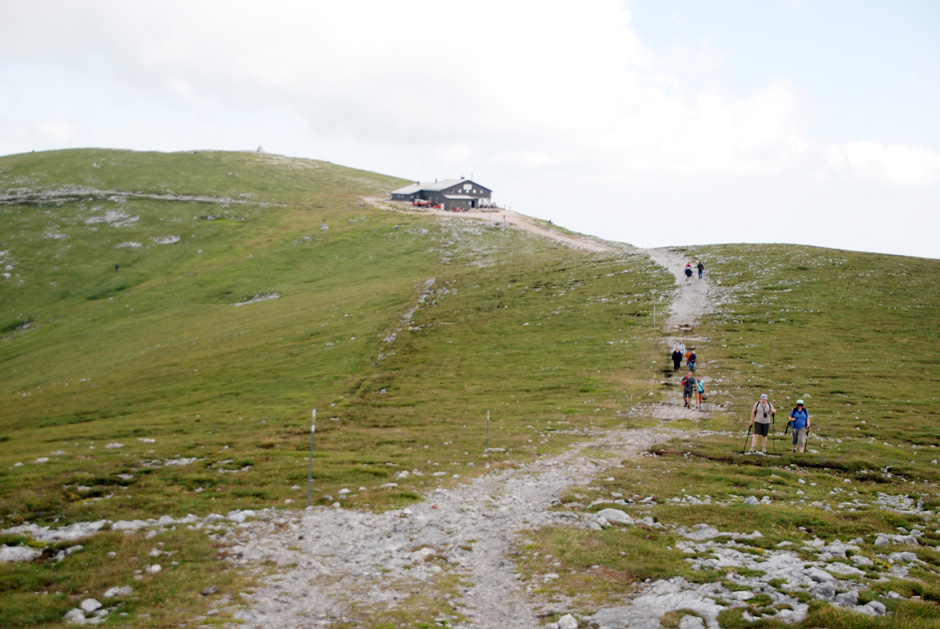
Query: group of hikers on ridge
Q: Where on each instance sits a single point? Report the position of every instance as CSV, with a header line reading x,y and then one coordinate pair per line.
x,y
688,270
762,415
692,386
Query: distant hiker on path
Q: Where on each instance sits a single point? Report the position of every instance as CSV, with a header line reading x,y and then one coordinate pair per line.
x,y
761,416
679,347
690,359
699,392
688,388
701,269
676,360
799,417
688,271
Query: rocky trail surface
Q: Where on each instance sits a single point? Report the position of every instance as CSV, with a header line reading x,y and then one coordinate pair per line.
x,y
334,561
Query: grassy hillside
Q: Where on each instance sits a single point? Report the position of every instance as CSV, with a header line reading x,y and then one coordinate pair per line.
x,y
169,320
856,336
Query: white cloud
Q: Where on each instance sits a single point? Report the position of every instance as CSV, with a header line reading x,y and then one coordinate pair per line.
x,y
892,164
545,97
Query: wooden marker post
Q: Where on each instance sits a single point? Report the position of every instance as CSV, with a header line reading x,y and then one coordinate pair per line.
x,y
313,429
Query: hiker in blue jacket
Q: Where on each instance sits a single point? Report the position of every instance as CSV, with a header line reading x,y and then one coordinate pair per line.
x,y
799,418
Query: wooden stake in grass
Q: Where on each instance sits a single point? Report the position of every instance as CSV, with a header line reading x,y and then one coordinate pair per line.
x,y
487,430
313,429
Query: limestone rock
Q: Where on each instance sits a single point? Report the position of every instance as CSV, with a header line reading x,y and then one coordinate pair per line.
x,y
567,622
75,617
691,622
17,553
615,516
119,591
90,605
702,532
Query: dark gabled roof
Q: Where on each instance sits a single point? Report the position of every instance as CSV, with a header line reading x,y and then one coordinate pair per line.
x,y
436,186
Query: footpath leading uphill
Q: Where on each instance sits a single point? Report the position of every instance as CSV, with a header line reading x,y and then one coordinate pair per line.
x,y
337,563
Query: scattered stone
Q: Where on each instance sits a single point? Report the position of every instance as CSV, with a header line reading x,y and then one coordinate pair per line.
x,y
114,446
905,557
210,591
567,622
843,569
119,591
751,500
75,617
820,576
154,569
824,591
847,599
615,516
702,532
9,554
872,608
90,605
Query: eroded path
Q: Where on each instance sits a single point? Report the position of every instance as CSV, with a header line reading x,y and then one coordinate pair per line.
x,y
335,563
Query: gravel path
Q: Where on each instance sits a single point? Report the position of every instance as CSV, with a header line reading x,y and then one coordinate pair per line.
x,y
333,562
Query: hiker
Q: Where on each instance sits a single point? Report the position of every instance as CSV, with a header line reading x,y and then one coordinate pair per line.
x,y
690,360
761,416
679,347
676,360
799,417
699,392
688,271
688,387
701,268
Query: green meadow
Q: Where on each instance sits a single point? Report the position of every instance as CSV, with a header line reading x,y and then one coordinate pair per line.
x,y
855,335
162,351
169,321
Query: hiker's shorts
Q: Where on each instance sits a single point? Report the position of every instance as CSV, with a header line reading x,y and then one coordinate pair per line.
x,y
799,437
761,429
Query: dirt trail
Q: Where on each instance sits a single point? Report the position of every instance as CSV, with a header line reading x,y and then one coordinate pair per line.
x,y
335,561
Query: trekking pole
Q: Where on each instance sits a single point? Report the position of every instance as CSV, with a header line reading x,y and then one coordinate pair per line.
x,y
744,449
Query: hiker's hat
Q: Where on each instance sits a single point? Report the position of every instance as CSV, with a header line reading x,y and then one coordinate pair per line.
x,y
764,396
799,402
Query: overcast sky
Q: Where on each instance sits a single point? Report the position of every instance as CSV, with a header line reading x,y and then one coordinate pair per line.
x,y
653,122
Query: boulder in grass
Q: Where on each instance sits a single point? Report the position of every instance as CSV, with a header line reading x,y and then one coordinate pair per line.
x,y
615,516
119,591
17,554
90,605
75,617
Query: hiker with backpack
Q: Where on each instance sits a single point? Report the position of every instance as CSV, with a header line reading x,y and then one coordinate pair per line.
x,y
688,388
799,418
688,271
699,392
761,416
690,360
